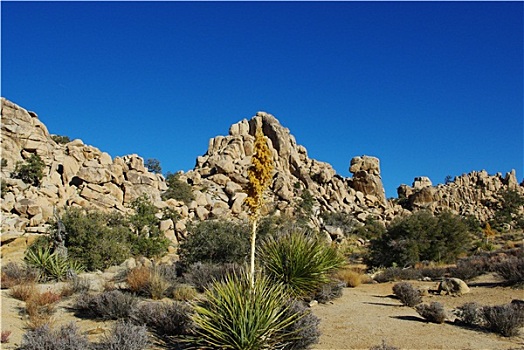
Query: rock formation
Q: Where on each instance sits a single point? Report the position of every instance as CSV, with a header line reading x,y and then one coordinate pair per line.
x,y
83,176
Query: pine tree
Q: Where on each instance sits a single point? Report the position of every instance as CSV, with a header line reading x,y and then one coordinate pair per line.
x,y
259,176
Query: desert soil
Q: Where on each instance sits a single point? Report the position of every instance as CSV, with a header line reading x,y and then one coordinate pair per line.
x,y
363,317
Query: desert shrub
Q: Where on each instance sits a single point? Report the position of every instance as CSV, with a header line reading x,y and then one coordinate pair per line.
x,y
61,139
42,303
505,319
201,276
24,291
434,312
508,213
125,336
52,266
110,305
419,237
302,263
138,280
470,314
350,277
235,315
178,189
397,274
511,269
76,285
329,291
408,295
215,242
31,171
153,165
184,292
305,328
383,346
165,319
471,267
4,336
14,273
67,337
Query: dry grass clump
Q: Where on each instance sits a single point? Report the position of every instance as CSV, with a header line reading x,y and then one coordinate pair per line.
x,y
24,291
184,292
351,278
148,282
14,274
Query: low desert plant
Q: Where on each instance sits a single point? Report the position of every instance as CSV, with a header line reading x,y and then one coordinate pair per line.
x,y
51,264
24,291
14,273
329,291
184,292
408,295
165,319
470,314
158,285
397,274
305,327
350,278
76,285
505,319
234,315
434,312
383,346
202,275
302,263
42,303
110,305
4,336
125,336
67,337
31,171
138,280
511,269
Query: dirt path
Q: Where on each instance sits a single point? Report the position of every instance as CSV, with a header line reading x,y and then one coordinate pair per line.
x,y
366,315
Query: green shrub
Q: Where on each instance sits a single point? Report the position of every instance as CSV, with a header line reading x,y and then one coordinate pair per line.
x,y
178,189
31,171
153,165
408,295
215,242
302,263
61,139
233,315
421,237
508,213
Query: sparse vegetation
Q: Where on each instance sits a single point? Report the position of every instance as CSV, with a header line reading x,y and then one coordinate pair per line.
x,y
61,139
165,319
153,165
407,294
125,336
109,305
68,337
15,273
505,319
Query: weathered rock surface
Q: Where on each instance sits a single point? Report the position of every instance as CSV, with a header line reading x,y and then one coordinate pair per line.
x,y
79,175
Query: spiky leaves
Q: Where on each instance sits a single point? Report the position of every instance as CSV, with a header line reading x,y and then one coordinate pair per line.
x,y
259,175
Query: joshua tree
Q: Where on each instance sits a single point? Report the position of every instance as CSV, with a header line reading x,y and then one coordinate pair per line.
x,y
259,175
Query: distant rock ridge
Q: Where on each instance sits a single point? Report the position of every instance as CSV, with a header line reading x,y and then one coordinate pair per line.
x,y
79,175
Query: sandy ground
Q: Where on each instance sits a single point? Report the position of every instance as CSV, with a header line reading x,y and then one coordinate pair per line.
x,y
363,317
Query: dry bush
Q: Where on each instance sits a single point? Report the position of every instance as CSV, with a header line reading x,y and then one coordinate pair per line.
x,y
138,280
158,285
408,295
433,312
109,305
351,278
14,274
470,314
75,285
24,291
329,291
505,319
511,269
40,307
67,337
125,336
165,319
184,292
4,337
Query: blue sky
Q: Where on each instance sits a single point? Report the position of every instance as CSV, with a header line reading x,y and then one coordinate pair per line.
x,y
430,88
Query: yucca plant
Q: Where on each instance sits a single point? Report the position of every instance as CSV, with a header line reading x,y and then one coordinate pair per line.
x,y
233,315
301,262
50,264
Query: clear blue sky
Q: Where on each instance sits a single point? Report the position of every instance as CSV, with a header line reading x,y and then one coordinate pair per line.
x,y
430,88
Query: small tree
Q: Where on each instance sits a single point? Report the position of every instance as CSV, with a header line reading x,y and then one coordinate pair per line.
x,y
259,175
488,232
30,172
153,165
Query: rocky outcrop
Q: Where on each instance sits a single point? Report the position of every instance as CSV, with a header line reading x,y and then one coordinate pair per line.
x,y
80,175
475,194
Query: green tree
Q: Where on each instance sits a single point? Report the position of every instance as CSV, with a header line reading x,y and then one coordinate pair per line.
x,y
178,189
153,165
31,171
259,175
